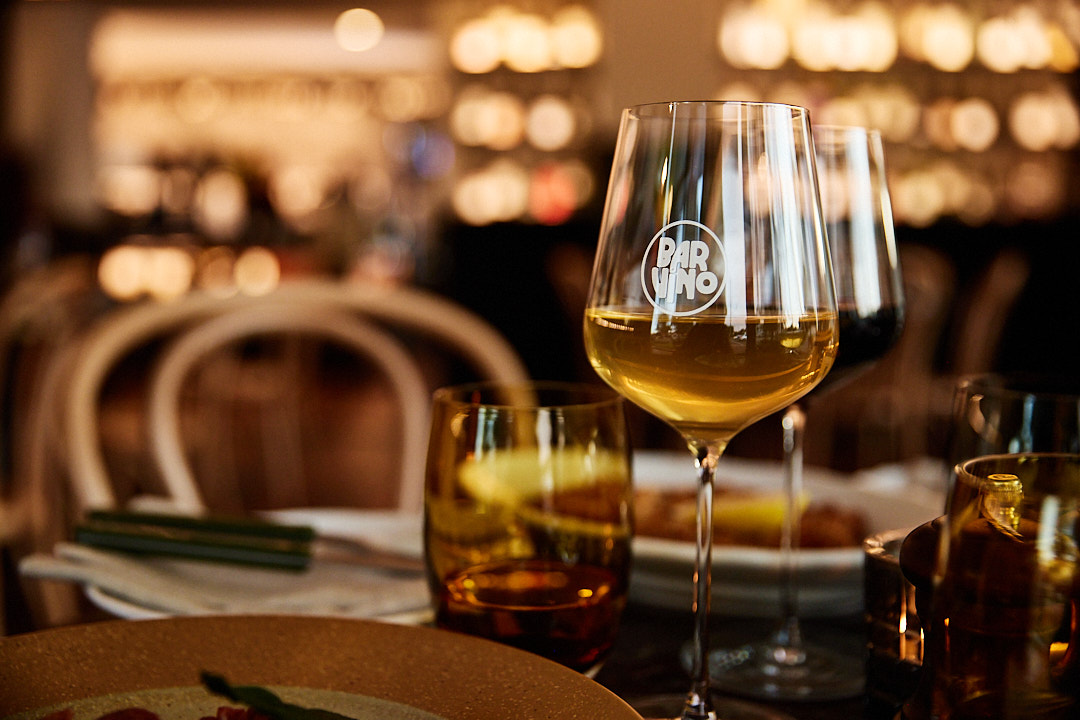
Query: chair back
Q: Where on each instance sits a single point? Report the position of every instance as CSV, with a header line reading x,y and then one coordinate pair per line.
x,y
366,319
274,316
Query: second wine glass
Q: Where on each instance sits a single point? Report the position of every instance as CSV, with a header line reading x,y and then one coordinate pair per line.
x,y
711,303
870,302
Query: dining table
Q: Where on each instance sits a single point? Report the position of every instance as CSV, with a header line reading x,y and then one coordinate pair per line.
x,y
646,658
645,661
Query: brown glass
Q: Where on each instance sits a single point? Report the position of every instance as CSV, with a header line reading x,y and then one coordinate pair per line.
x,y
527,517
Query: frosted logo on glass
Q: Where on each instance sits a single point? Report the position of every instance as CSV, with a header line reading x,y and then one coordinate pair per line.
x,y
679,271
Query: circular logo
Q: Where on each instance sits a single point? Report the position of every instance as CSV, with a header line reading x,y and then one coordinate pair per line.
x,y
679,270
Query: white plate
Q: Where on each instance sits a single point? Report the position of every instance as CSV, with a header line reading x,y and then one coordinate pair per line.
x,y
337,590
746,580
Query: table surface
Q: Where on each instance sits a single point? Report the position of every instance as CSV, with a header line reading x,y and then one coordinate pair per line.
x,y
645,660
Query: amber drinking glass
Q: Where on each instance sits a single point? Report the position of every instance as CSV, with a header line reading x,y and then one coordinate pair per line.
x,y
527,516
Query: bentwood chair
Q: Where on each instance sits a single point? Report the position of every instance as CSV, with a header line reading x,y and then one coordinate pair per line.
x,y
388,325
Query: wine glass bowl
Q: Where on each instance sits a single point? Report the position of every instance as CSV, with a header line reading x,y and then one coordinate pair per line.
x,y
527,516
711,303
866,265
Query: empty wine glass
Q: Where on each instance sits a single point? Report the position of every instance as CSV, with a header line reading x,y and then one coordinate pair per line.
x,y
711,303
870,303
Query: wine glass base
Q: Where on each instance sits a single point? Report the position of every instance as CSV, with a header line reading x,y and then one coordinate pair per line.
x,y
758,671
670,707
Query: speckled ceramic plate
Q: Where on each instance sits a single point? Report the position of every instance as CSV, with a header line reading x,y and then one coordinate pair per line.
x,y
449,675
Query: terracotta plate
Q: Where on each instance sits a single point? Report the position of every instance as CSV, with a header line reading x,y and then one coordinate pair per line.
x,y
450,675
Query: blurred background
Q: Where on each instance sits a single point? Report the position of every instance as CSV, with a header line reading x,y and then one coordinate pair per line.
x,y
151,148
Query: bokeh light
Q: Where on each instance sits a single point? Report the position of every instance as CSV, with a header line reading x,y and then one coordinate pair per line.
x,y
550,123
974,124
221,204
358,29
257,271
576,37
130,190
948,41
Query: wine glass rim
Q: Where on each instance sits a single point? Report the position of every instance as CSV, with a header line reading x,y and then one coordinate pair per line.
x,y
535,395
966,468
666,106
839,128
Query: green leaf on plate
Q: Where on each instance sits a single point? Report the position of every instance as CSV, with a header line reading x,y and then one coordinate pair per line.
x,y
264,701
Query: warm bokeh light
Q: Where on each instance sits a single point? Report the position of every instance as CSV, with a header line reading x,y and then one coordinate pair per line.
x,y
526,46
492,119
526,42
358,29
296,191
577,40
169,272
550,123
974,124
221,204
948,41
475,47
917,198
120,272
496,193
891,108
257,271
130,190
750,36
1032,122
138,268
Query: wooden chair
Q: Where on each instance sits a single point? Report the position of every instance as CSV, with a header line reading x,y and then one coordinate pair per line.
x,y
274,316
320,305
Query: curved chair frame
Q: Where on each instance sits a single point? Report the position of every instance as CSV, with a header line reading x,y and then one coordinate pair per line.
x,y
274,317
489,353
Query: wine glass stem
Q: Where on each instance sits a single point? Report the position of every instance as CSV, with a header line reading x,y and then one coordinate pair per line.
x,y
698,705
788,634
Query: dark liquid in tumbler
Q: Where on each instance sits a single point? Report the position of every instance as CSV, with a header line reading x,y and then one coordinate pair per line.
x,y
567,613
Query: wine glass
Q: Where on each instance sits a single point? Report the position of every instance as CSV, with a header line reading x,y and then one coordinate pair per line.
x,y
711,303
870,302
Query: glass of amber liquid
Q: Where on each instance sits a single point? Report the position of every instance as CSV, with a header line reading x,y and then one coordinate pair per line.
x,y
527,519
1004,637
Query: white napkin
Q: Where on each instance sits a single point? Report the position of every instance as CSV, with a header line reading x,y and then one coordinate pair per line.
x,y
184,587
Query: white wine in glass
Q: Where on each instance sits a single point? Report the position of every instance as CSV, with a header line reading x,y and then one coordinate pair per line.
x,y
711,303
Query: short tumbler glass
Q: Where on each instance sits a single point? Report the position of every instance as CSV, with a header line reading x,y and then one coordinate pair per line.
x,y
527,516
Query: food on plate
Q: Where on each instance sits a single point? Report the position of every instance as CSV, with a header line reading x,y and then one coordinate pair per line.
x,y
744,517
138,713
243,702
